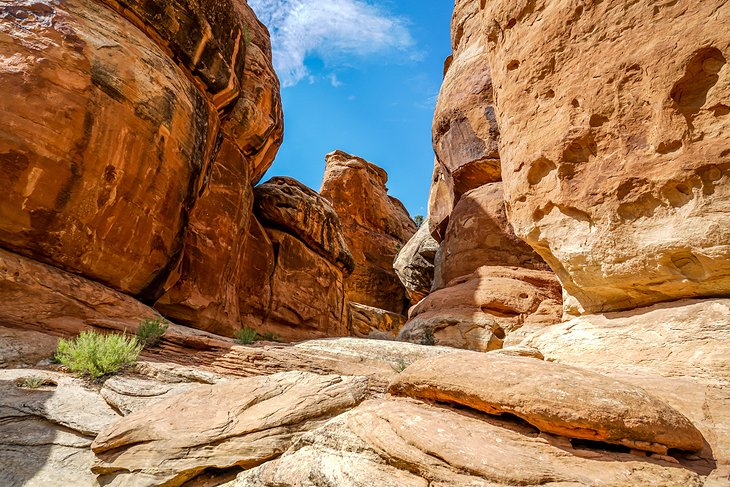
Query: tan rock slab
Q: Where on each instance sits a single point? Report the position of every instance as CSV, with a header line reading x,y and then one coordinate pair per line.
x,y
397,443
238,423
555,398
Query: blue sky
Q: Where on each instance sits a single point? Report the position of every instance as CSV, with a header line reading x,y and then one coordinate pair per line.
x,y
360,76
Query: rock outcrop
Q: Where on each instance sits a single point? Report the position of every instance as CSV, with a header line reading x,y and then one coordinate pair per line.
x,y
295,264
478,311
616,171
253,421
393,443
376,227
555,398
169,113
414,264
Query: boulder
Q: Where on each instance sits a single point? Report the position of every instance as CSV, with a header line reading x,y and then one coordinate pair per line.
x,y
376,226
24,348
616,172
366,321
675,351
555,398
99,173
254,420
440,202
414,264
307,293
465,132
478,311
395,443
478,235
286,204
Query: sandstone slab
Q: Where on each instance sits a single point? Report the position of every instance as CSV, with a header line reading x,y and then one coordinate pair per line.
x,y
555,398
254,420
366,320
399,443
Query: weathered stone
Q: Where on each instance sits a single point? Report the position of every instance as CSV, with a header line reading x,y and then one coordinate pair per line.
x,y
480,235
288,205
35,296
46,432
205,290
675,351
257,267
99,172
256,122
252,421
477,311
440,202
208,38
465,133
24,348
376,226
555,398
364,320
397,443
616,172
414,264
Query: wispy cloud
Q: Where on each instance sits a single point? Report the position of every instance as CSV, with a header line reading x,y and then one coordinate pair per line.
x,y
328,29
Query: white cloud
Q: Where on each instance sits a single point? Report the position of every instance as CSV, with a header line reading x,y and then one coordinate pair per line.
x,y
328,29
334,81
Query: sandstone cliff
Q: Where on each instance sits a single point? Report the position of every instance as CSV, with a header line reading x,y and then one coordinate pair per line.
x,y
376,226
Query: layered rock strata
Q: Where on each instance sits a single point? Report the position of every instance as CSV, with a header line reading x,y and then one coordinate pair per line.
x,y
616,171
134,169
376,226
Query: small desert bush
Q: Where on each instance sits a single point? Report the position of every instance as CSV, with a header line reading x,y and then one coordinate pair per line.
x,y
33,382
428,338
270,337
246,336
400,365
150,332
95,355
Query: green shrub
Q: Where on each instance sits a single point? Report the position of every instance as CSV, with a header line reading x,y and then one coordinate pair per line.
x,y
246,336
150,332
33,382
400,365
270,337
428,338
95,355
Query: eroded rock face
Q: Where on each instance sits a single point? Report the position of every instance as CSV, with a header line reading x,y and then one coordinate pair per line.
x,y
287,204
288,289
414,264
254,420
82,192
478,311
395,443
376,226
480,235
366,321
555,398
616,172
135,168
205,292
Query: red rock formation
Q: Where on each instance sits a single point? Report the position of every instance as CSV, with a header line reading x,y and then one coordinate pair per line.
x,y
616,171
294,265
134,167
376,226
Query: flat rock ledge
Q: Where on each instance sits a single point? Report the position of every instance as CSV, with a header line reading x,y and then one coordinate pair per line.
x,y
555,398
